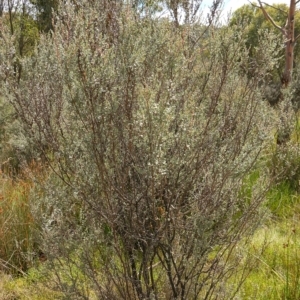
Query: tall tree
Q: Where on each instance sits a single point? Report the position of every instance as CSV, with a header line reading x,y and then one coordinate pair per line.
x,y
45,9
288,33
18,20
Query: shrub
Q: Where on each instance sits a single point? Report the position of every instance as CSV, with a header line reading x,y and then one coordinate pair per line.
x,y
150,138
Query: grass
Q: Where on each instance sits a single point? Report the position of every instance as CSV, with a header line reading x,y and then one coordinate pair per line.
x,y
275,248
30,287
18,278
283,201
15,224
17,247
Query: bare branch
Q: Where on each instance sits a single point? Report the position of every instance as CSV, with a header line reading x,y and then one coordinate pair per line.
x,y
277,8
268,17
296,38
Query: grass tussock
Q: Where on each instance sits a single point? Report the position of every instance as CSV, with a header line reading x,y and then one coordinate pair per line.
x,y
17,247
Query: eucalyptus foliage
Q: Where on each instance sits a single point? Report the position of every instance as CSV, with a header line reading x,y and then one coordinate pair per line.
x,y
150,136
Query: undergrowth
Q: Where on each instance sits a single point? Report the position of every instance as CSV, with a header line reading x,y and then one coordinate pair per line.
x,y
18,249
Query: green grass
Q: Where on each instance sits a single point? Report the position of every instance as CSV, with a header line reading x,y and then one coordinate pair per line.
x,y
282,200
29,287
271,257
275,249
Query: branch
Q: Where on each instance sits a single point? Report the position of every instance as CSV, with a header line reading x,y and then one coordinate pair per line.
x,y
268,17
297,37
277,8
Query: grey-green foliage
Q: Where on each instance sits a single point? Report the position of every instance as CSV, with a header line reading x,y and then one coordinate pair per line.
x,y
18,36
13,144
150,139
295,91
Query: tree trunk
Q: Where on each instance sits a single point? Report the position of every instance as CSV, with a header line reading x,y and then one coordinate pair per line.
x,y
288,32
289,35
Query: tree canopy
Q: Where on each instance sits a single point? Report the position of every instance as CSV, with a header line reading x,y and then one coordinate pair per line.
x,y
254,20
45,9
